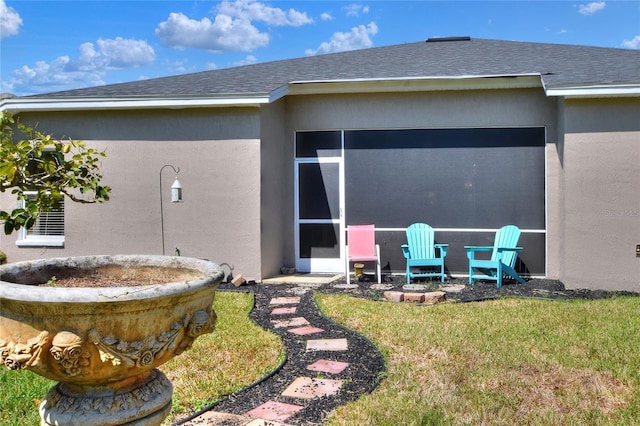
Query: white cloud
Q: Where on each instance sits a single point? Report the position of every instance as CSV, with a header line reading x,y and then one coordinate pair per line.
x,y
249,10
126,53
591,8
49,77
326,16
87,69
358,38
250,59
180,66
634,43
10,21
356,9
232,28
223,34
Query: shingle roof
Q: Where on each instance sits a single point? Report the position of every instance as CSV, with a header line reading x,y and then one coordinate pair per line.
x,y
559,65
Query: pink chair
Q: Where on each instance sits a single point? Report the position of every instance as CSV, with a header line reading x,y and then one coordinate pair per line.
x,y
362,247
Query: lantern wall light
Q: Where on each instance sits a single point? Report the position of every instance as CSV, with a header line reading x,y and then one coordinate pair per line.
x,y
176,197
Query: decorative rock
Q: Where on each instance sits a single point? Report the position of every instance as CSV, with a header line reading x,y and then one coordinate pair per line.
x,y
414,287
238,280
394,296
433,297
414,297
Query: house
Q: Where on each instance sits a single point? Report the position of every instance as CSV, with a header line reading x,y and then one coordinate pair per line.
x,y
276,158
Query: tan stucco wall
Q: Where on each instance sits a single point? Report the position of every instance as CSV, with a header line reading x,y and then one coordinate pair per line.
x,y
601,194
218,153
526,107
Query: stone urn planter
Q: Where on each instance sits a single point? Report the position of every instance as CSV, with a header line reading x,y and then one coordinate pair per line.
x,y
103,339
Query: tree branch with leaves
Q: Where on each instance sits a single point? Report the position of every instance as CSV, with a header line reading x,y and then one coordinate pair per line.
x,y
52,168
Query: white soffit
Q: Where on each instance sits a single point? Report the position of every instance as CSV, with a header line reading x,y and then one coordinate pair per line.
x,y
74,104
413,84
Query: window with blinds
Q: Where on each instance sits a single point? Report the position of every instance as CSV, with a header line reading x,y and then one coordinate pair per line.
x,y
49,227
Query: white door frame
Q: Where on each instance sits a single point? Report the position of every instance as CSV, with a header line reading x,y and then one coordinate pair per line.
x,y
320,265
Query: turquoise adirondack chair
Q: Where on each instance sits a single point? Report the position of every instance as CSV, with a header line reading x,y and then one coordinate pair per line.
x,y
503,257
420,252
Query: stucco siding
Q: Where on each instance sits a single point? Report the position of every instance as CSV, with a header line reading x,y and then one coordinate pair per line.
x,y
220,216
602,194
274,189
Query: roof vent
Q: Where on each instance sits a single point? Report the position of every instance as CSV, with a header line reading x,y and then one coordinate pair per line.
x,y
436,39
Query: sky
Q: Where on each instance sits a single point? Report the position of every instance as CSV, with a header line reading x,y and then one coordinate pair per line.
x,y
47,46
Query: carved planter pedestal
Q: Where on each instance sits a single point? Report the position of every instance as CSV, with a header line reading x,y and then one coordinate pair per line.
x,y
103,344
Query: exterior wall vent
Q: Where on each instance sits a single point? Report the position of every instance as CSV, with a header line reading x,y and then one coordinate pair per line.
x,y
436,39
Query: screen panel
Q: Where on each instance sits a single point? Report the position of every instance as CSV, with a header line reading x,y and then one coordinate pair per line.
x,y
327,143
319,240
531,260
448,178
319,190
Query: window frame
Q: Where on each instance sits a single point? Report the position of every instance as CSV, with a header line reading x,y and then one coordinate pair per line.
x,y
27,239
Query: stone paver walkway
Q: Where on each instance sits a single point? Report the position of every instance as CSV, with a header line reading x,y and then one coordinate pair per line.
x,y
328,367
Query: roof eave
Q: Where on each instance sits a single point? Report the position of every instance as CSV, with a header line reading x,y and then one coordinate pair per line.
x,y
408,84
595,91
16,105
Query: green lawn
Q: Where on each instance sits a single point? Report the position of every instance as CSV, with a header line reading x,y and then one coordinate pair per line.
x,y
503,362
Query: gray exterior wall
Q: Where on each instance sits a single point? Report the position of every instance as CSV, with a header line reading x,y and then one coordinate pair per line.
x,y
601,209
276,189
218,153
237,173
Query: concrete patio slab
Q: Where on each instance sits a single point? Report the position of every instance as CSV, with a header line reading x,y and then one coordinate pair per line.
x,y
327,366
327,345
309,388
303,279
275,411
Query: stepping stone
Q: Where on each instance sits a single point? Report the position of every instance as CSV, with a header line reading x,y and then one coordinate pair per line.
x,y
414,287
284,311
303,331
454,288
215,418
274,411
285,300
308,388
326,366
381,287
327,345
259,422
346,286
293,322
